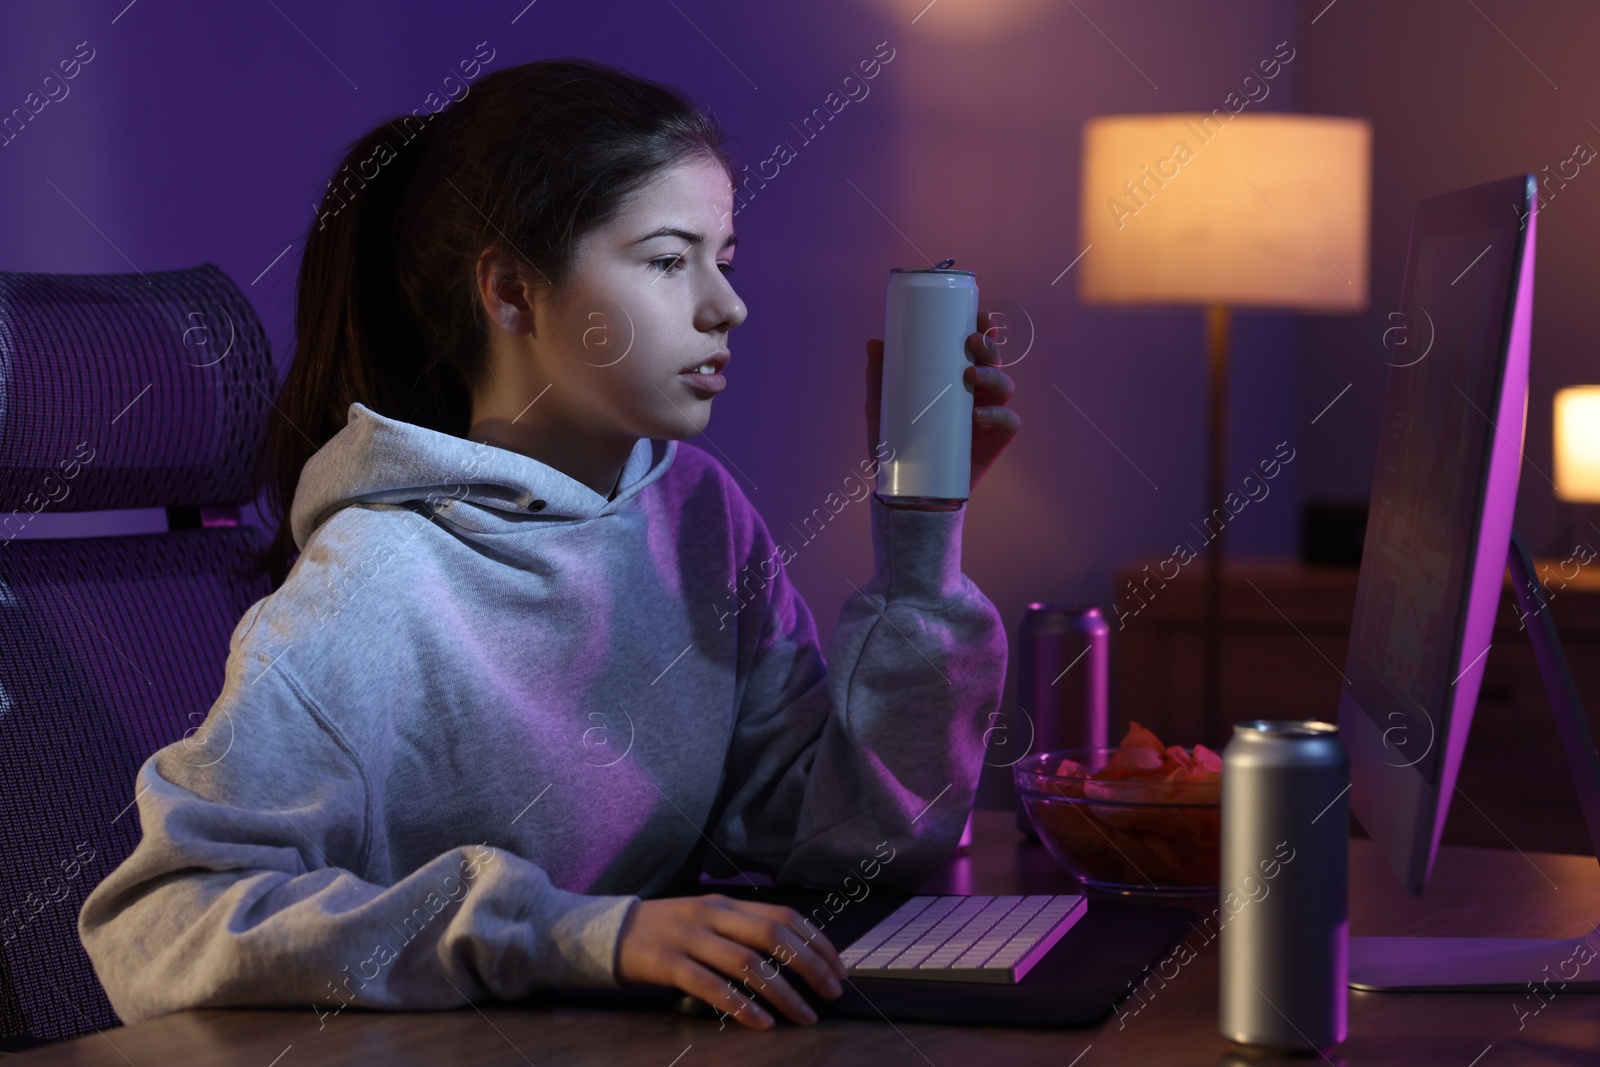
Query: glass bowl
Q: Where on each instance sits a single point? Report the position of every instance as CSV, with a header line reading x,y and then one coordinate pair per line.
x,y
1125,836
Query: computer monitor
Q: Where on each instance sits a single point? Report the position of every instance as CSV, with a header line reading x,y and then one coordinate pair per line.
x,y
1438,541
1439,523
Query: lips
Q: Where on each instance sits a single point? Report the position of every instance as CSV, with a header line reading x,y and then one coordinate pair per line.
x,y
709,384
716,359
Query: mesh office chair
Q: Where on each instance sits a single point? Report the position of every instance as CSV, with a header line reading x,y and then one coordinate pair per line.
x,y
116,391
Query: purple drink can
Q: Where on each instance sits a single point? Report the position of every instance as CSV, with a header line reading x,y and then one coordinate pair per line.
x,y
925,415
1063,666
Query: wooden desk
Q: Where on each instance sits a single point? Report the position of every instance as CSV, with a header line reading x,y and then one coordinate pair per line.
x,y
1473,891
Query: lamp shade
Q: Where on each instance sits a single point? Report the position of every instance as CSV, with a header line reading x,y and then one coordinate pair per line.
x,y
1223,209
1577,430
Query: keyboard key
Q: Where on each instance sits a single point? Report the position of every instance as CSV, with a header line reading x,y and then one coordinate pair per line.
x,y
988,926
968,913
880,933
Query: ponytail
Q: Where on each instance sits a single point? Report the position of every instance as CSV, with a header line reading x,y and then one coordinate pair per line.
x,y
387,309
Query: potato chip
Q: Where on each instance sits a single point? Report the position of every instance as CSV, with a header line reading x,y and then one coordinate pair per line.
x,y
1138,737
1071,769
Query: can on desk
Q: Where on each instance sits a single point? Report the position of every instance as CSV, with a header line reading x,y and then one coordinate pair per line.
x,y
925,414
1282,901
1063,662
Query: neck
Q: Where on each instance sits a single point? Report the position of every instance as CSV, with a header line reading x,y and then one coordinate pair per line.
x,y
595,460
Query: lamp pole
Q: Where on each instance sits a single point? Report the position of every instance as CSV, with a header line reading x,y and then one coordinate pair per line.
x,y
1216,327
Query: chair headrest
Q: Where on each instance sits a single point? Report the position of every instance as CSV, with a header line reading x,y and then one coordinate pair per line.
x,y
129,390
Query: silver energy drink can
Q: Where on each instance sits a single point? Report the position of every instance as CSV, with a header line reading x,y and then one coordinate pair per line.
x,y
1282,903
926,410
1063,666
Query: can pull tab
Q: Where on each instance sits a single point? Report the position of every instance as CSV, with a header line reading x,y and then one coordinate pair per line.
x,y
942,264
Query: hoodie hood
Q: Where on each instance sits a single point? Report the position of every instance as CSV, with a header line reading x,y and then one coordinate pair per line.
x,y
378,460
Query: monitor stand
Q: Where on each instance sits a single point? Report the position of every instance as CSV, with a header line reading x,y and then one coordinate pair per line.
x,y
1506,964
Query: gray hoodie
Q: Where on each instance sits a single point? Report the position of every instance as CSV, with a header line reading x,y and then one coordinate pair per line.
x,y
490,709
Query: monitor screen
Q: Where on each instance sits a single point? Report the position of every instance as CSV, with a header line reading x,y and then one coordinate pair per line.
x,y
1427,489
1444,487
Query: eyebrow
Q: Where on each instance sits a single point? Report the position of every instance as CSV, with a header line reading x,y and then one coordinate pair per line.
x,y
692,238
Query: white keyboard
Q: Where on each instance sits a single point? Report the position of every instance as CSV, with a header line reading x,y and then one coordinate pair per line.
x,y
964,938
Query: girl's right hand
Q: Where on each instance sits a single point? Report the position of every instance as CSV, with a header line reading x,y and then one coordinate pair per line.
x,y
682,941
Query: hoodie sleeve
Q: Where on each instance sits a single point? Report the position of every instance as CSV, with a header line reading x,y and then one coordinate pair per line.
x,y
866,762
249,886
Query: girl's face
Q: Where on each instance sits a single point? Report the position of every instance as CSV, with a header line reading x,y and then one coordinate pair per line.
x,y
650,301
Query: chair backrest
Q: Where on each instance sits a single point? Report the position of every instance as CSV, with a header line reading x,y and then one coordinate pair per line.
x,y
116,391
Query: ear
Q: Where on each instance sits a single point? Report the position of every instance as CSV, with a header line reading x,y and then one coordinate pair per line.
x,y
505,296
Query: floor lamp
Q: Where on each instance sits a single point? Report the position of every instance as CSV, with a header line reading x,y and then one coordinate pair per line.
x,y
1222,211
1577,464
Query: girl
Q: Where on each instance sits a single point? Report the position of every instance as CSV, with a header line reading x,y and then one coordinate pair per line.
x,y
537,664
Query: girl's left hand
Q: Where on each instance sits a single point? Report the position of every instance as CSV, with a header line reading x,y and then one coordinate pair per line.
x,y
993,423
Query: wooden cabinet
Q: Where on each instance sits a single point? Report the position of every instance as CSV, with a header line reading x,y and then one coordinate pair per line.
x,y
1285,631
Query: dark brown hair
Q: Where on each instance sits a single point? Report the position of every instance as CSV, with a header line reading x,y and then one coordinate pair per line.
x,y
387,310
